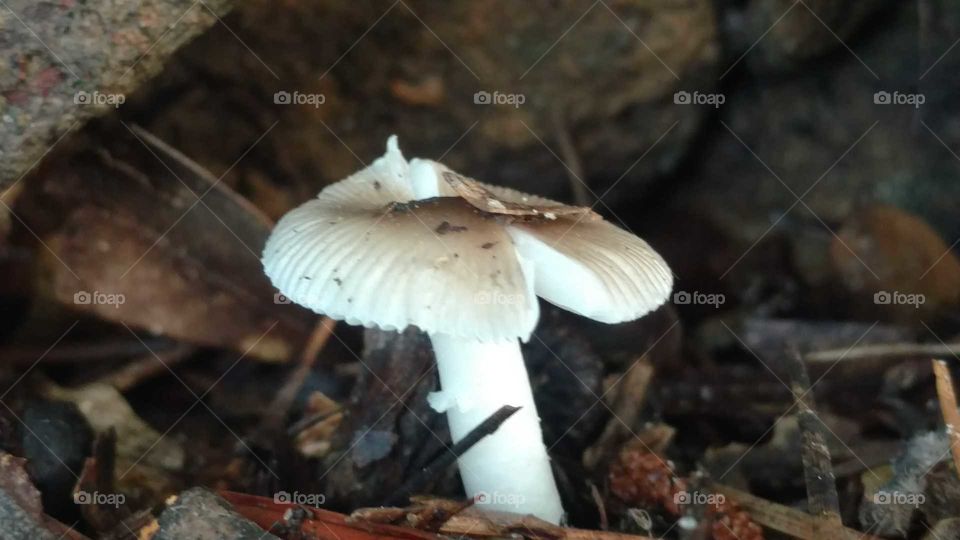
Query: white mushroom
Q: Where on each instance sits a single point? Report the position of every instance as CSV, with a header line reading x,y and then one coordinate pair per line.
x,y
400,244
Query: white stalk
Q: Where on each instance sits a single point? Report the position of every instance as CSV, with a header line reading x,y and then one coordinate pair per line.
x,y
508,470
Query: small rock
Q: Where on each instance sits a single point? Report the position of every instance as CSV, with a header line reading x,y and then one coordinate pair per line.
x,y
56,439
199,514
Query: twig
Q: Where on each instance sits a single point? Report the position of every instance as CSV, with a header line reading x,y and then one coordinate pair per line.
x,y
948,406
601,507
146,367
629,397
572,160
428,473
888,350
304,423
822,498
200,172
277,410
82,352
784,519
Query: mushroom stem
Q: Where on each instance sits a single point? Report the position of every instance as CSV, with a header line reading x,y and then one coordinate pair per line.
x,y
508,470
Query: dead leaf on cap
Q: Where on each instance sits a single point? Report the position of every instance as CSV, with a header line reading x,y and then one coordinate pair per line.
x,y
531,206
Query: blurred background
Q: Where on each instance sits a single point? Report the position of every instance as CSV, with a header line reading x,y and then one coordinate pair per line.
x,y
794,161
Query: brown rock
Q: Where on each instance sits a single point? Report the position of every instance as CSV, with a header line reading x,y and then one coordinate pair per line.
x,y
895,266
818,135
796,31
607,76
76,60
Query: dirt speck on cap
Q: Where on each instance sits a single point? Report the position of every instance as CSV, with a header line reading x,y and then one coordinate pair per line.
x,y
446,227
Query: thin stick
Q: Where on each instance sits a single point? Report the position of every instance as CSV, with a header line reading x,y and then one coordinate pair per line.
x,y
278,408
822,499
306,422
147,367
198,171
435,467
889,350
948,406
572,161
82,352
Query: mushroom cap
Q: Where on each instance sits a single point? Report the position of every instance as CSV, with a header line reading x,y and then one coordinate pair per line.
x,y
581,262
366,252
401,244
